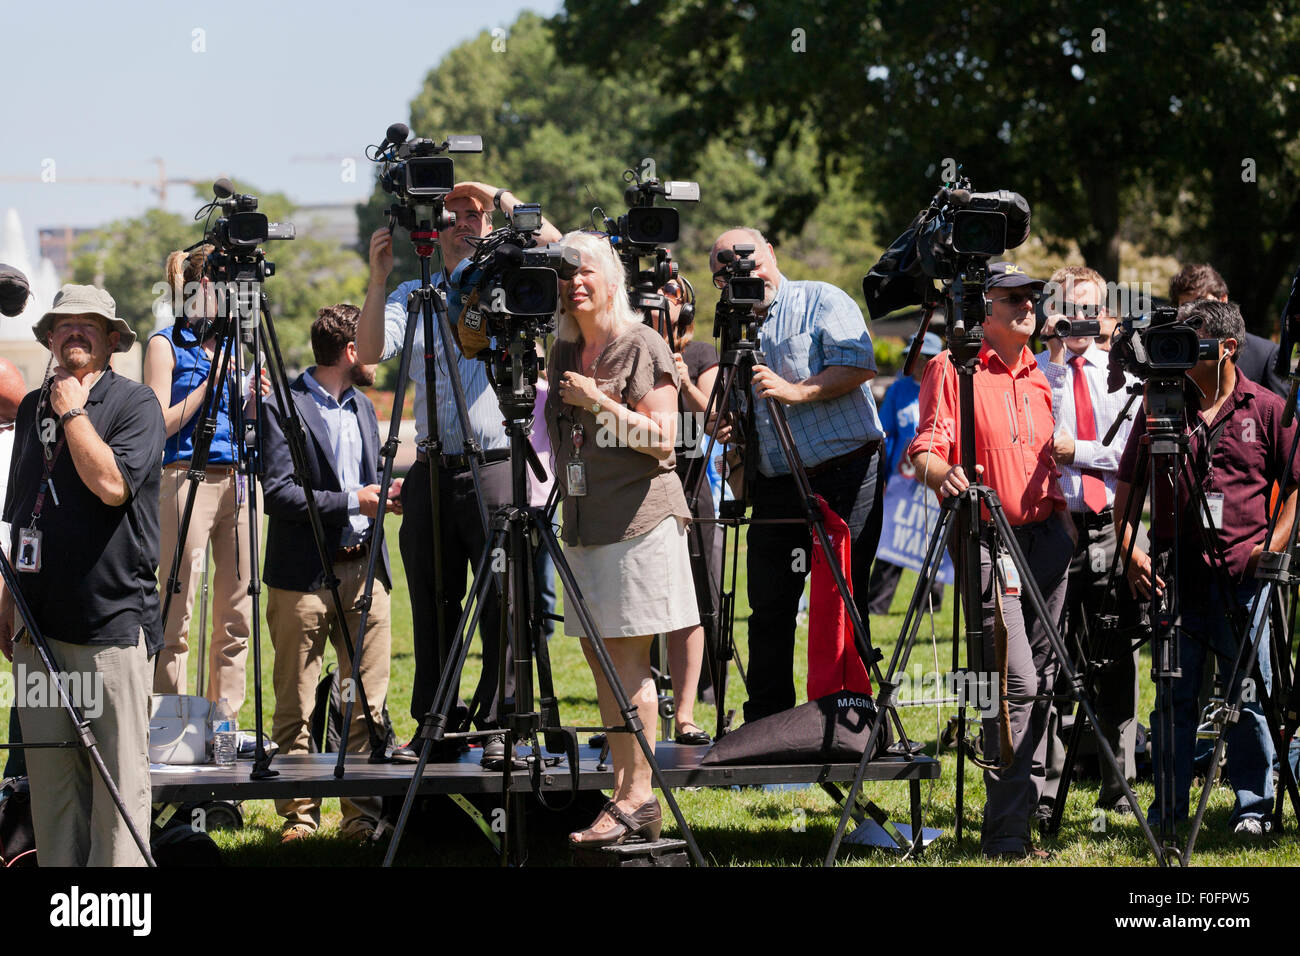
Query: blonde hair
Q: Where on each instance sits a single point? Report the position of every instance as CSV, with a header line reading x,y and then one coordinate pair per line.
x,y
182,268
597,252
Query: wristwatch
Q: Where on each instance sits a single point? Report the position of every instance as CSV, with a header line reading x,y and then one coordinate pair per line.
x,y
595,408
496,200
69,415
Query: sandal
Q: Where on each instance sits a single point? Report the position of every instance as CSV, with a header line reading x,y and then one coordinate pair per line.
x,y
645,822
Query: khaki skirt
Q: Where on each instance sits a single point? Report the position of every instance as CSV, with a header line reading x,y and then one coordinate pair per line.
x,y
635,587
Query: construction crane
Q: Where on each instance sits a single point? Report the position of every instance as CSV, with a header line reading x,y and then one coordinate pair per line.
x,y
158,184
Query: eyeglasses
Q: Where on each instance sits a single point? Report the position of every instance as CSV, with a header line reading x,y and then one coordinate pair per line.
x,y
1017,299
1082,311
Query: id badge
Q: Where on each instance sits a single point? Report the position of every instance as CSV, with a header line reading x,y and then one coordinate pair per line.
x,y
1215,500
29,550
1010,576
577,474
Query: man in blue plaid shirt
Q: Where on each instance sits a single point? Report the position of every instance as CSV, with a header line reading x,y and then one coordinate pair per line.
x,y
820,362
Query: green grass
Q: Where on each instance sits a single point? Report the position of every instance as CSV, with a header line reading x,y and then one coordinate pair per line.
x,y
750,827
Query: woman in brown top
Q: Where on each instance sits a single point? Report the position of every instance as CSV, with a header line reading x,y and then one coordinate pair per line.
x,y
612,421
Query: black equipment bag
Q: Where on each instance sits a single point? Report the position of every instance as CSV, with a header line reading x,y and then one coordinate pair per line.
x,y
326,732
17,837
831,729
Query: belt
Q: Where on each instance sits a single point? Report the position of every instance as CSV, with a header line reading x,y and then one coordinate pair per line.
x,y
1089,519
461,462
222,471
353,553
865,451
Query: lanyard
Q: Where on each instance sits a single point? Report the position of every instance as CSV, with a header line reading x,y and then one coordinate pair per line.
x,y
48,461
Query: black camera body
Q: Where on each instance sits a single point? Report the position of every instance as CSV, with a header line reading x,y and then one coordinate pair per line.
x,y
742,291
419,177
1159,350
955,236
644,232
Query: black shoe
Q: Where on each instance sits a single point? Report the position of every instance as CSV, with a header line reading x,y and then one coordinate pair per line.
x,y
694,738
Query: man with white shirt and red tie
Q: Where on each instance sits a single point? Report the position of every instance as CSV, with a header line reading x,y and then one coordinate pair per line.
x,y
1084,408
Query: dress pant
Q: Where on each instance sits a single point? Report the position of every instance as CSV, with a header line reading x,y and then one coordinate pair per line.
x,y
463,542
780,557
1012,791
75,820
1088,591
219,516
301,622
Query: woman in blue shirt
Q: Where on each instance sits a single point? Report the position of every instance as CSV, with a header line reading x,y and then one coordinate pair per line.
x,y
178,375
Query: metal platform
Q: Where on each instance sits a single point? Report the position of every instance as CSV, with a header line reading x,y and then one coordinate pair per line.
x,y
313,776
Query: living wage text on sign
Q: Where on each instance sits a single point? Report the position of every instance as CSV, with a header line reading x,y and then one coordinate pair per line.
x,y
910,514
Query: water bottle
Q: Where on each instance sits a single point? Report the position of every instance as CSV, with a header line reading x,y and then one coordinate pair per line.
x,y
224,731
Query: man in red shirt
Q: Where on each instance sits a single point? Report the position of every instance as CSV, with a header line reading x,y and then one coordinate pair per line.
x,y
1013,453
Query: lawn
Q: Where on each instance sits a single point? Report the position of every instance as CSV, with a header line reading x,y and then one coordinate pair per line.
x,y
750,827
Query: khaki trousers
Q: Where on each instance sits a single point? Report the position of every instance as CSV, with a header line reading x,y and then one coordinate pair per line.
x,y
75,819
300,623
220,517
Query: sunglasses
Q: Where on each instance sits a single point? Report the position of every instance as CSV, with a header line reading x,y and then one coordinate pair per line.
x,y
1017,299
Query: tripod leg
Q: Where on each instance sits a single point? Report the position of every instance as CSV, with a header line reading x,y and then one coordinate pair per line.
x,y
434,722
888,689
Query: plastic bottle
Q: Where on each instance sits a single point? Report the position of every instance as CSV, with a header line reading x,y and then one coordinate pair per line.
x,y
224,732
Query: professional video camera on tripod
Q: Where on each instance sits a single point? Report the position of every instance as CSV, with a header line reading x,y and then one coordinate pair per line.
x,y
953,241
507,295
646,231
236,267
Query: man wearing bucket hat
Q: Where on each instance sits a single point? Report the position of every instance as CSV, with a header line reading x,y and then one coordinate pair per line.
x,y
1014,453
898,414
83,508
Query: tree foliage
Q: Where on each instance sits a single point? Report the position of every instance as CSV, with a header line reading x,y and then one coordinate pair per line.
x,y
1095,111
127,258
555,133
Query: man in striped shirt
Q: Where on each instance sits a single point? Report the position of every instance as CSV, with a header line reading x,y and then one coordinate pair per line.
x,y
380,333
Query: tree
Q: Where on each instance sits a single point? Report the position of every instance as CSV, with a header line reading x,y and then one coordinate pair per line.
x,y
127,257
556,134
1080,106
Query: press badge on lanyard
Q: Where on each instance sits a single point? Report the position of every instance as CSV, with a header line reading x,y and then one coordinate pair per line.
x,y
1215,501
577,468
1010,576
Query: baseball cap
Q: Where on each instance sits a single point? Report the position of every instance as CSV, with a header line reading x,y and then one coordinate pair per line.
x,y
930,345
1008,275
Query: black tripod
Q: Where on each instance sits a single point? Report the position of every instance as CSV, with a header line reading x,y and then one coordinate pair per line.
x,y
511,540
424,302
962,515
85,736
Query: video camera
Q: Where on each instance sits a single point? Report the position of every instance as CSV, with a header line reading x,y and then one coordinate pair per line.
x,y
959,231
507,293
236,265
419,177
1158,349
645,231
742,292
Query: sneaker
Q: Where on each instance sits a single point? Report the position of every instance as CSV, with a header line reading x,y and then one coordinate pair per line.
x,y
361,832
1250,828
298,831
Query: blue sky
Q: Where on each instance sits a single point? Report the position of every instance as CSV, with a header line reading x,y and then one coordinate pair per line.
x,y
101,89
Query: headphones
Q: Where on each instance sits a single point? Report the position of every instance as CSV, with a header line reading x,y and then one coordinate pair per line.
x,y
686,317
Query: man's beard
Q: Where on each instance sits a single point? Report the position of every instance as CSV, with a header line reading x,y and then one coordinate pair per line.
x,y
363,376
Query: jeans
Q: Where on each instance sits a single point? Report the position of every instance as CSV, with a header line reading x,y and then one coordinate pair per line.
x,y
1250,746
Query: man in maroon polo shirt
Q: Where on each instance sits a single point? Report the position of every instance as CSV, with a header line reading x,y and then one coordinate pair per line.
x,y
1237,449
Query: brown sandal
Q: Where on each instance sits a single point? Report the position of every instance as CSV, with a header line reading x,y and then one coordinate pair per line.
x,y
645,822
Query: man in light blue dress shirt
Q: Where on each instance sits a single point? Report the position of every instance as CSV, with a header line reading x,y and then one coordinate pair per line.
x,y
819,365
